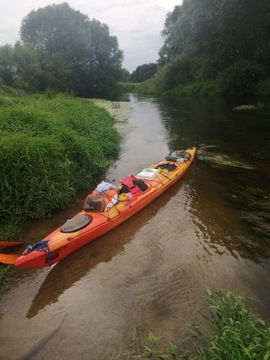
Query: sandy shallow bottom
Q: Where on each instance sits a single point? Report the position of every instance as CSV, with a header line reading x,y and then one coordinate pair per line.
x,y
119,110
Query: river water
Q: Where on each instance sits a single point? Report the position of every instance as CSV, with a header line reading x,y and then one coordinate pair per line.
x,y
211,230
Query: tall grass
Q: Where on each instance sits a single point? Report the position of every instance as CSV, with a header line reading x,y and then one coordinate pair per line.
x,y
240,334
236,334
49,148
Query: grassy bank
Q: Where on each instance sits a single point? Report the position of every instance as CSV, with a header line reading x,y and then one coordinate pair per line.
x,y
236,334
194,88
156,87
50,147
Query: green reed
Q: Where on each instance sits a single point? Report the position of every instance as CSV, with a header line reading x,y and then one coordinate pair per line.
x,y
49,149
150,348
236,333
239,334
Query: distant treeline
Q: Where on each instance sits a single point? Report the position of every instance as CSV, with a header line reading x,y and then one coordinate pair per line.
x,y
221,46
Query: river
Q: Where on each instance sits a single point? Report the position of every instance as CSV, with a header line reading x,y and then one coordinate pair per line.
x,y
210,230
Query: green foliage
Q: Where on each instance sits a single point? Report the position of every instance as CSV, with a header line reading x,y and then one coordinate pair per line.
x,y
239,79
173,36
194,88
6,65
240,333
6,90
63,50
151,349
129,87
49,148
144,72
35,176
203,39
227,30
175,72
124,76
264,87
27,68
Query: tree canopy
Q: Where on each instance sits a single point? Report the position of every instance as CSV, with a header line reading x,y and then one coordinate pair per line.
x,y
67,52
144,72
228,30
203,38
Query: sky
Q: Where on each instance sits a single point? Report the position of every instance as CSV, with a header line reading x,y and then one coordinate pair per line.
x,y
137,24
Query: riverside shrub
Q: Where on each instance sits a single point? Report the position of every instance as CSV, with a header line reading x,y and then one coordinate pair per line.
x,y
49,149
240,79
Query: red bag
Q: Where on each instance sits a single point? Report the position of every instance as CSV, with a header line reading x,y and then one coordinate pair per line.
x,y
136,186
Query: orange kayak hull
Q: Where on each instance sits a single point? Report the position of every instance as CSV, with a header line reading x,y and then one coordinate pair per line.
x,y
60,244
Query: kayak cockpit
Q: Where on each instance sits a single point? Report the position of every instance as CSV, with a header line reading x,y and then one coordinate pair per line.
x,y
76,223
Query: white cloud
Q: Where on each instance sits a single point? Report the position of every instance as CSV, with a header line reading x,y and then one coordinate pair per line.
x,y
136,23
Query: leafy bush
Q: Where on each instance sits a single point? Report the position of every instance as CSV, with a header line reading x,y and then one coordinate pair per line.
x,y
49,148
264,87
7,90
239,79
194,88
174,73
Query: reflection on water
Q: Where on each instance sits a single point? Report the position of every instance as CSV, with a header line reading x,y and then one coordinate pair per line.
x,y
234,152
209,230
219,226
145,144
69,271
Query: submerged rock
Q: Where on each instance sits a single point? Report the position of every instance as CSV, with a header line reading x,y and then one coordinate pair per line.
x,y
219,159
248,107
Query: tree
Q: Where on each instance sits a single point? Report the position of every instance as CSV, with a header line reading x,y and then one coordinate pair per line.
x,y
6,65
144,72
214,34
27,70
172,37
125,75
105,62
76,54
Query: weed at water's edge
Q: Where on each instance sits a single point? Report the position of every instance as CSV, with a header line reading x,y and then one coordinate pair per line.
x,y
236,334
239,333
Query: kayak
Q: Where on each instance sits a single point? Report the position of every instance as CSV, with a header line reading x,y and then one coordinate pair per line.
x,y
104,209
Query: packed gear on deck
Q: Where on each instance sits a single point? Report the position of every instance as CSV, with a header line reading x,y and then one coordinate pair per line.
x,y
131,184
179,156
102,198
